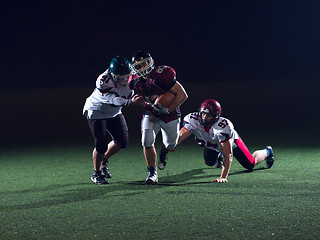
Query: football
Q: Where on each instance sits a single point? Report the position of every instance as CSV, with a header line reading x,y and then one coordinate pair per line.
x,y
165,99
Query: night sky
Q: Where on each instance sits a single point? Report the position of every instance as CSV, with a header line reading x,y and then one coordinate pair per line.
x,y
220,46
69,43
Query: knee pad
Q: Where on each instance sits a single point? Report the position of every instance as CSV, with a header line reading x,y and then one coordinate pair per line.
x,y
123,145
210,163
210,156
101,149
148,138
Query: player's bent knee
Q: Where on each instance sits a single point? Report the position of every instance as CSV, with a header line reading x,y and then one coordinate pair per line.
x,y
147,142
170,146
148,138
210,163
101,149
249,167
210,156
123,144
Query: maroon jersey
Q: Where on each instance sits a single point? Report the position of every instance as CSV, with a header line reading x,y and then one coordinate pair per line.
x,y
160,80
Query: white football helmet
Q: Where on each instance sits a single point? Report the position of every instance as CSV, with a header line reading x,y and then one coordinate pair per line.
x,y
142,63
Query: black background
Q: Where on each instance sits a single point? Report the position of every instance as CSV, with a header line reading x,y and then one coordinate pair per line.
x,y
260,59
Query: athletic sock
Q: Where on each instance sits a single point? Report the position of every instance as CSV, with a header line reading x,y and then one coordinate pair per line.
x,y
152,170
268,152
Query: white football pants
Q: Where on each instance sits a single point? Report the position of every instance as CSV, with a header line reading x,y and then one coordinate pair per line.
x,y
150,127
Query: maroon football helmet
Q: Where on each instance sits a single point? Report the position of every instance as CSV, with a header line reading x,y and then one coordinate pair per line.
x,y
211,107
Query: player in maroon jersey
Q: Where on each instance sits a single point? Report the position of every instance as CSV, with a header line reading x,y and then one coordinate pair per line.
x,y
152,81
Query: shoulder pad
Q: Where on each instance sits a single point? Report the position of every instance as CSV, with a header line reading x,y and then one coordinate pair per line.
x,y
165,72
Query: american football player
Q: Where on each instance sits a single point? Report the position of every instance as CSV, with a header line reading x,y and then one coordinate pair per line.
x,y
103,112
217,134
151,81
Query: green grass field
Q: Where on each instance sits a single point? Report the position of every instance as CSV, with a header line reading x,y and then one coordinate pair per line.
x,y
46,193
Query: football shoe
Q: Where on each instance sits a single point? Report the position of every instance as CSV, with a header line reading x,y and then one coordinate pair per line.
x,y
152,179
97,178
270,158
163,158
105,170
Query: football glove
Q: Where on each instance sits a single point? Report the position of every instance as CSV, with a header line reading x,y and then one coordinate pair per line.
x,y
156,109
163,110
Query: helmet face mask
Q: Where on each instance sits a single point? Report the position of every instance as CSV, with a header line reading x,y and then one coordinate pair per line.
x,y
209,112
121,79
142,64
206,119
120,70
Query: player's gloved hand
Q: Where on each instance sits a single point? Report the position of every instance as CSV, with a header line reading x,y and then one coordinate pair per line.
x,y
137,100
163,110
155,109
220,180
152,108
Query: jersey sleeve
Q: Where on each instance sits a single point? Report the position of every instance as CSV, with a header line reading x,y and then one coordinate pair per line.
x,y
187,123
115,100
226,130
102,81
105,86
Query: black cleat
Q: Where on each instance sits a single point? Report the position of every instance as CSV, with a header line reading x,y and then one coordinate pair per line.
x,y
97,178
163,158
105,170
270,159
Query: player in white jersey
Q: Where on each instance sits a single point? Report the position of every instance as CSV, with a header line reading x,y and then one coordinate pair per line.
x,y
217,134
103,112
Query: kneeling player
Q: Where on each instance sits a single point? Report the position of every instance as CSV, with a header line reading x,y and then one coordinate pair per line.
x,y
217,134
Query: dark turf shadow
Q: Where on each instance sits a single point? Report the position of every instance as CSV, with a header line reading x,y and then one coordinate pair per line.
x,y
86,191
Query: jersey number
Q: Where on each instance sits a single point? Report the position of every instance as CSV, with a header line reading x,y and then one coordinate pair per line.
x,y
160,69
204,143
223,123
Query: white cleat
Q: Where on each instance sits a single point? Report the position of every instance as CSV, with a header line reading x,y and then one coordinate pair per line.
x,y
153,177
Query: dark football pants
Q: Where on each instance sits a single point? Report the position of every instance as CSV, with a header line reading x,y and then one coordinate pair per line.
x,y
210,156
241,153
115,127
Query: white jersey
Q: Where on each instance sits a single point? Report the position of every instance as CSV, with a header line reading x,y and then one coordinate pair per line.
x,y
221,131
107,99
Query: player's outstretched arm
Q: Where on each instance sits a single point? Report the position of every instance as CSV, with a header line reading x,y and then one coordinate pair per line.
x,y
227,159
183,135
